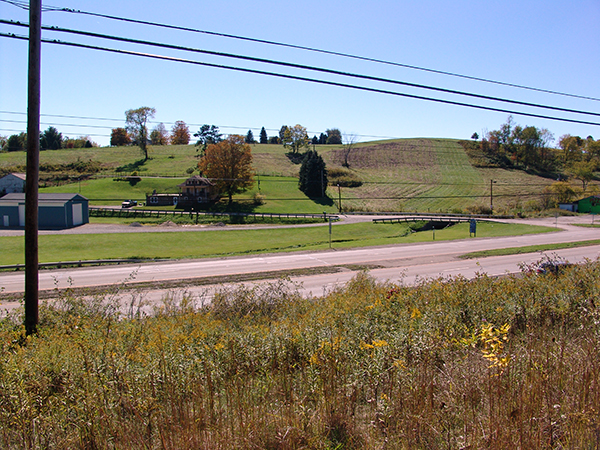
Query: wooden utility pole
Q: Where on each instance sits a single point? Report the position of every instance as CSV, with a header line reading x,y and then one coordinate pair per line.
x,y
33,168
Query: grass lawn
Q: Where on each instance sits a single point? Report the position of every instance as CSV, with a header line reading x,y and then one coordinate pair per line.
x,y
420,174
529,249
231,241
112,191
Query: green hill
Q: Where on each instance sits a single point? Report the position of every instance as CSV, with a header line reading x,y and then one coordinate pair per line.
x,y
417,174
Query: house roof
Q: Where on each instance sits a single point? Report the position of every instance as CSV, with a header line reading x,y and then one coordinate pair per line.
x,y
201,181
15,174
44,197
586,198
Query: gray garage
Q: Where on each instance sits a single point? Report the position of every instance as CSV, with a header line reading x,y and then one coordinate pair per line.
x,y
56,211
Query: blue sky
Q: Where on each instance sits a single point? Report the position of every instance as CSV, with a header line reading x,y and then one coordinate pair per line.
x,y
550,45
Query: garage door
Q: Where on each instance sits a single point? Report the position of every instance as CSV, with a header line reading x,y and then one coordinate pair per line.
x,y
77,214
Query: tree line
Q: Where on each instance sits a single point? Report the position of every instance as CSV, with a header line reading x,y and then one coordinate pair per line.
x,y
533,149
530,148
50,139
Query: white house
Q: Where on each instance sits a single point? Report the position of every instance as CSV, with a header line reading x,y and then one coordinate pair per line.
x,y
11,183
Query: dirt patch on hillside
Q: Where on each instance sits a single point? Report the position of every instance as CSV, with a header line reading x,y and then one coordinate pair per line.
x,y
416,154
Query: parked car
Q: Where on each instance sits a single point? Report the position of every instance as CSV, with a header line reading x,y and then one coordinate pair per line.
x,y
128,203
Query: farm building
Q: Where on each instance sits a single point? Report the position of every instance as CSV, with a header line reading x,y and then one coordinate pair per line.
x,y
589,204
155,199
13,182
196,190
56,211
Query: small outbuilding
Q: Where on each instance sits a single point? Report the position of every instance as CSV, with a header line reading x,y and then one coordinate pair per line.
x,y
13,182
55,211
589,205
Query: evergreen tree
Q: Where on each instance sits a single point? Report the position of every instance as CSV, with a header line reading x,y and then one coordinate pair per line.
x,y
313,175
264,139
250,137
322,139
51,139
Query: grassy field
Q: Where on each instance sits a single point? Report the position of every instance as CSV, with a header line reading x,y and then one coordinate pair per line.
x,y
229,242
529,249
400,175
489,363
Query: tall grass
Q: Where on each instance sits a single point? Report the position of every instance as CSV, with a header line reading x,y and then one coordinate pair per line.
x,y
451,363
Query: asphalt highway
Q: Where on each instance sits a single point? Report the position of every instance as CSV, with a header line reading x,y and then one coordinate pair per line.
x,y
406,263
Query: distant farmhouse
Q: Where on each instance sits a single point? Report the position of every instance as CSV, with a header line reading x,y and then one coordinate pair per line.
x,y
196,190
55,211
13,182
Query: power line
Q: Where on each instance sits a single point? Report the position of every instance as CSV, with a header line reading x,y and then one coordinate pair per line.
x,y
306,67
301,47
299,78
63,116
276,130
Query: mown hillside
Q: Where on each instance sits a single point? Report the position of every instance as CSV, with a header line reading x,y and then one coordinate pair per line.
x,y
417,174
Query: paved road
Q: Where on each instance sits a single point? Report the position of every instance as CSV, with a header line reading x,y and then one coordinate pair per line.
x,y
405,262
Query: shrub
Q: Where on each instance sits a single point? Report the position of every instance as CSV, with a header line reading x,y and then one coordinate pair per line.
x,y
479,209
343,177
259,199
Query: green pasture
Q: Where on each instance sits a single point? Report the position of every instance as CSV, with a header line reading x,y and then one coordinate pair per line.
x,y
231,241
281,194
420,174
112,191
529,249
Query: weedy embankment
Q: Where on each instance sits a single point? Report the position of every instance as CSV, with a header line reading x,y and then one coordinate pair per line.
x,y
493,363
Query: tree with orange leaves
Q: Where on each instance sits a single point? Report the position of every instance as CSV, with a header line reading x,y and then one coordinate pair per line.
x,y
228,164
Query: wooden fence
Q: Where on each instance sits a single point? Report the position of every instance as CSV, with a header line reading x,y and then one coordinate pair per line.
x,y
147,213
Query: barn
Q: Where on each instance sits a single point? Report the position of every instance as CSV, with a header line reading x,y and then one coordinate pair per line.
x,y
56,211
589,205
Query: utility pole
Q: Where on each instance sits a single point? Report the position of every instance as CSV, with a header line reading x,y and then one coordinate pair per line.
x,y
339,198
492,195
33,168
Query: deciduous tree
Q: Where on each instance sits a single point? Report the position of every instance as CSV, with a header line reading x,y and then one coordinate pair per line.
x,y
582,171
562,192
228,164
295,138
571,147
349,143
80,142
119,137
136,124
159,135
180,133
334,136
